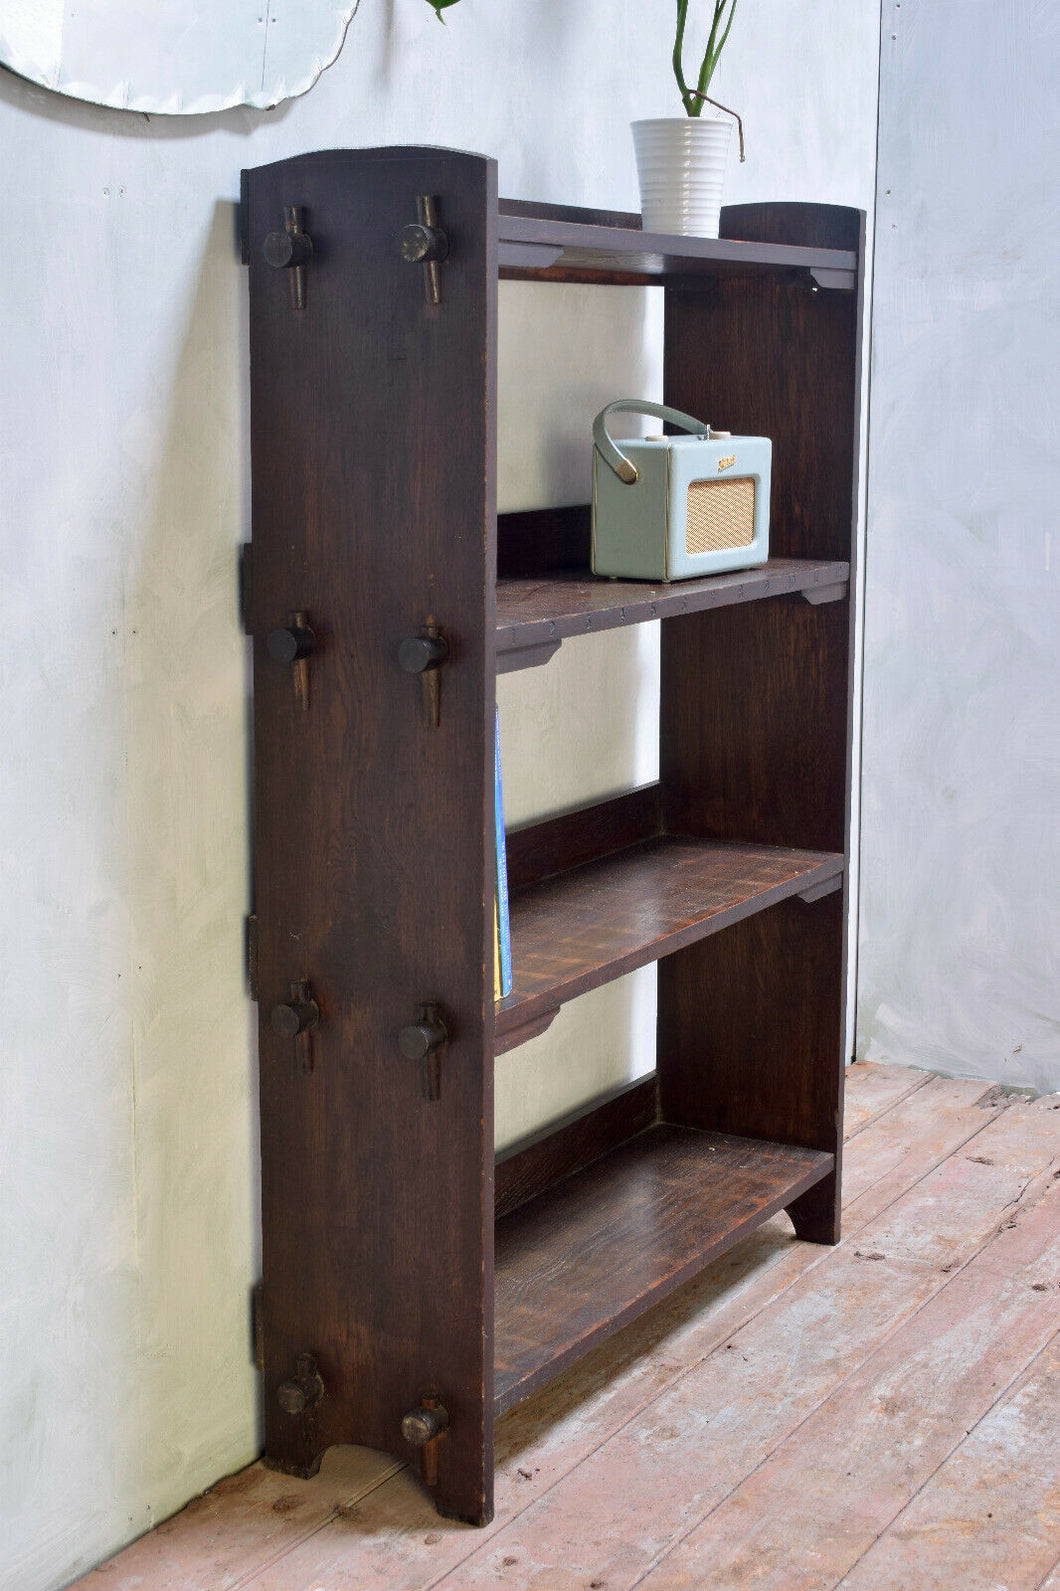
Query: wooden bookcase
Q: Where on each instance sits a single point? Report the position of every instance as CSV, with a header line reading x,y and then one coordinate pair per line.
x,y
403,1271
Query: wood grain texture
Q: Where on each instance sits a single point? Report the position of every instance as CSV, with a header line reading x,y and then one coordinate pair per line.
x,y
883,1434
542,1442
754,726
783,362
375,1202
532,1028
825,226
756,717
574,246
244,1521
764,1061
990,1515
536,609
585,835
756,703
533,1165
599,1248
588,926
880,1088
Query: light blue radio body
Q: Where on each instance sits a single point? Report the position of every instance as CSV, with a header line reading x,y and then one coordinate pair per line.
x,y
673,507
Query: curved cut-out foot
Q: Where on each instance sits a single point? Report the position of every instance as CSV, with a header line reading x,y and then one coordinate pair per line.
x,y
815,1214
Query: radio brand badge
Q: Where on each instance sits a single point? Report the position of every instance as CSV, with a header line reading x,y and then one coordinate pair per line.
x,y
726,464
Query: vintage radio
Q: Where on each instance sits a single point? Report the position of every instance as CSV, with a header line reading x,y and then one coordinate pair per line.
x,y
670,507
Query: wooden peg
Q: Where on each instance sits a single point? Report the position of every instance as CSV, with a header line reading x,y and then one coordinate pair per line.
x,y
295,644
296,1019
424,243
424,654
424,1040
422,1427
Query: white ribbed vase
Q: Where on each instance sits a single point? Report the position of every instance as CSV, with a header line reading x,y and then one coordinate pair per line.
x,y
681,166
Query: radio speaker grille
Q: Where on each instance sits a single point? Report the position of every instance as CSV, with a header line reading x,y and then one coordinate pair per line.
x,y
720,514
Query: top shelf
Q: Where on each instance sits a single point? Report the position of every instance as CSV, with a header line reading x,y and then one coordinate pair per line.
x,y
562,243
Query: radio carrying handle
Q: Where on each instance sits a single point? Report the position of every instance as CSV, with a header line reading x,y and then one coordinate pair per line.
x,y
613,456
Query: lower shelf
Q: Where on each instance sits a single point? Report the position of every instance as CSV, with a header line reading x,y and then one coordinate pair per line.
x,y
588,1255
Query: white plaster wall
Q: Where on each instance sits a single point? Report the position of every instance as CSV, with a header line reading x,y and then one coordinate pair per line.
x,y
960,919
128,1227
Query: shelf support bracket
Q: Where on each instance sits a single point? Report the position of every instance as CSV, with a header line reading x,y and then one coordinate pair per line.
x,y
530,1029
535,656
841,281
819,891
819,594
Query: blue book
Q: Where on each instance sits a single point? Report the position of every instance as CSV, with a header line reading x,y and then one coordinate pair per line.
x,y
504,927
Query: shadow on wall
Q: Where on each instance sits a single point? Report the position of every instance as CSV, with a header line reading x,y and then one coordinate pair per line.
x,y
194,1056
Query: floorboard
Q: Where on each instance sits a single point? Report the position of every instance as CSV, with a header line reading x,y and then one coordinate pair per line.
x,y
701,1438
865,1453
873,1089
990,1512
694,1447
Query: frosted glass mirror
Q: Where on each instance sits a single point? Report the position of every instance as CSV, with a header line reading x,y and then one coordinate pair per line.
x,y
174,57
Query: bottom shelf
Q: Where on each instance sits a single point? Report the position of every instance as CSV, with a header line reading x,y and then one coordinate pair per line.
x,y
585,1257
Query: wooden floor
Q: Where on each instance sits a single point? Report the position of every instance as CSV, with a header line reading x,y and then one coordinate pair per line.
x,y
885,1414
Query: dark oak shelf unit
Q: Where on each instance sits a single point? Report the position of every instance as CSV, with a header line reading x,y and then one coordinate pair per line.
x,y
408,1271
577,1263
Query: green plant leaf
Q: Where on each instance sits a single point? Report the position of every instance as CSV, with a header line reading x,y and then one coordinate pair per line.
x,y
440,6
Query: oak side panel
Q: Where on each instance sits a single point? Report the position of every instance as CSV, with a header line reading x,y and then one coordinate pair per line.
x,y
751,1033
768,357
373,447
820,226
756,717
754,723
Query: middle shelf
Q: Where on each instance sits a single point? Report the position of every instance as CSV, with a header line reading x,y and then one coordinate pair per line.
x,y
536,613
593,923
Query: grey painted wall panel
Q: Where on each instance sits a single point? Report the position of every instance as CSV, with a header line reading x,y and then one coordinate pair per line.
x,y
960,914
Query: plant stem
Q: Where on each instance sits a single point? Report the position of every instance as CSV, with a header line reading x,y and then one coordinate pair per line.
x,y
691,106
693,100
714,45
706,70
